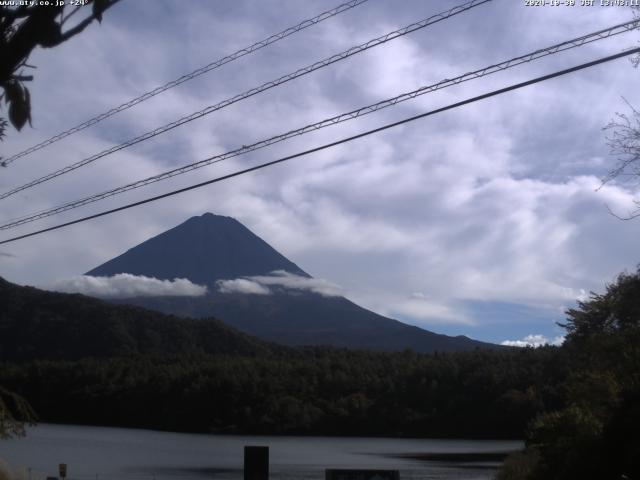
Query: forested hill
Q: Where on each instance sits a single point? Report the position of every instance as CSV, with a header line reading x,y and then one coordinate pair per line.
x,y
81,360
35,324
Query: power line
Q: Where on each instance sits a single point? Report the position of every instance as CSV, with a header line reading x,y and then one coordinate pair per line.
x,y
185,78
332,144
569,44
254,91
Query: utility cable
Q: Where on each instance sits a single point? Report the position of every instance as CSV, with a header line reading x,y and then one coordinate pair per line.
x,y
185,78
332,144
254,91
576,42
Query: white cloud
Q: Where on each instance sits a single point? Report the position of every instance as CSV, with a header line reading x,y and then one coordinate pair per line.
x,y
417,308
428,311
297,282
259,284
242,285
125,285
536,340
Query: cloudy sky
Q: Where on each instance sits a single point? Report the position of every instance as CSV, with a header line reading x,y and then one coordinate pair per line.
x,y
486,220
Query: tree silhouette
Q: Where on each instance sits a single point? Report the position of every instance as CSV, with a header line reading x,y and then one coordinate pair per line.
x,y
22,29
624,143
15,411
25,27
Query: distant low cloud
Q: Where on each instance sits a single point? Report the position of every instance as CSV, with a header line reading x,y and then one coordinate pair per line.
x,y
417,308
296,282
126,285
534,341
260,284
427,310
242,285
7,255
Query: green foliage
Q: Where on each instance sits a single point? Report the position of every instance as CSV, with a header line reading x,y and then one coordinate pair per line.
x,y
596,433
23,28
3,126
14,412
54,326
18,99
519,465
311,391
616,311
563,437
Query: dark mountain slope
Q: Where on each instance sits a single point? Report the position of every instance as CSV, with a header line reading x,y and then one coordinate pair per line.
x,y
309,319
35,324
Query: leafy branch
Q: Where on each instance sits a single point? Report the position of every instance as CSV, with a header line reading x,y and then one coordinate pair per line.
x,y
15,411
24,28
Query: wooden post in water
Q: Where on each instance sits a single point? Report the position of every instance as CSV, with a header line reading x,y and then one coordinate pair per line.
x,y
256,463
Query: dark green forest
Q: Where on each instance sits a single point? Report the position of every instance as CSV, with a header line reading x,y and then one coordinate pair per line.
x,y
480,394
80,360
595,434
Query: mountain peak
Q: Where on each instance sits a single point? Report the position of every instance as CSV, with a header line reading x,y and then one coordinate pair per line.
x,y
204,249
208,216
216,221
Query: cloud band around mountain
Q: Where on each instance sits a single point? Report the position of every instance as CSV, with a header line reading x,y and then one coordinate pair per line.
x,y
259,284
242,285
125,285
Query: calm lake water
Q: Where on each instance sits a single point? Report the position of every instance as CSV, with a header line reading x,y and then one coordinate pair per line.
x,y
97,453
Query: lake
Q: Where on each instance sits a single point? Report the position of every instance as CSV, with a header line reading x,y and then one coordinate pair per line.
x,y
99,453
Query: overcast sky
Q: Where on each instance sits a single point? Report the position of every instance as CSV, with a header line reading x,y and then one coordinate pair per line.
x,y
485,221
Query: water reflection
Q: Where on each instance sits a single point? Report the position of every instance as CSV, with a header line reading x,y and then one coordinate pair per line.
x,y
97,453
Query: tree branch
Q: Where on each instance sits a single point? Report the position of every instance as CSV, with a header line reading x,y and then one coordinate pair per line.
x,y
630,215
62,22
23,78
73,31
80,26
